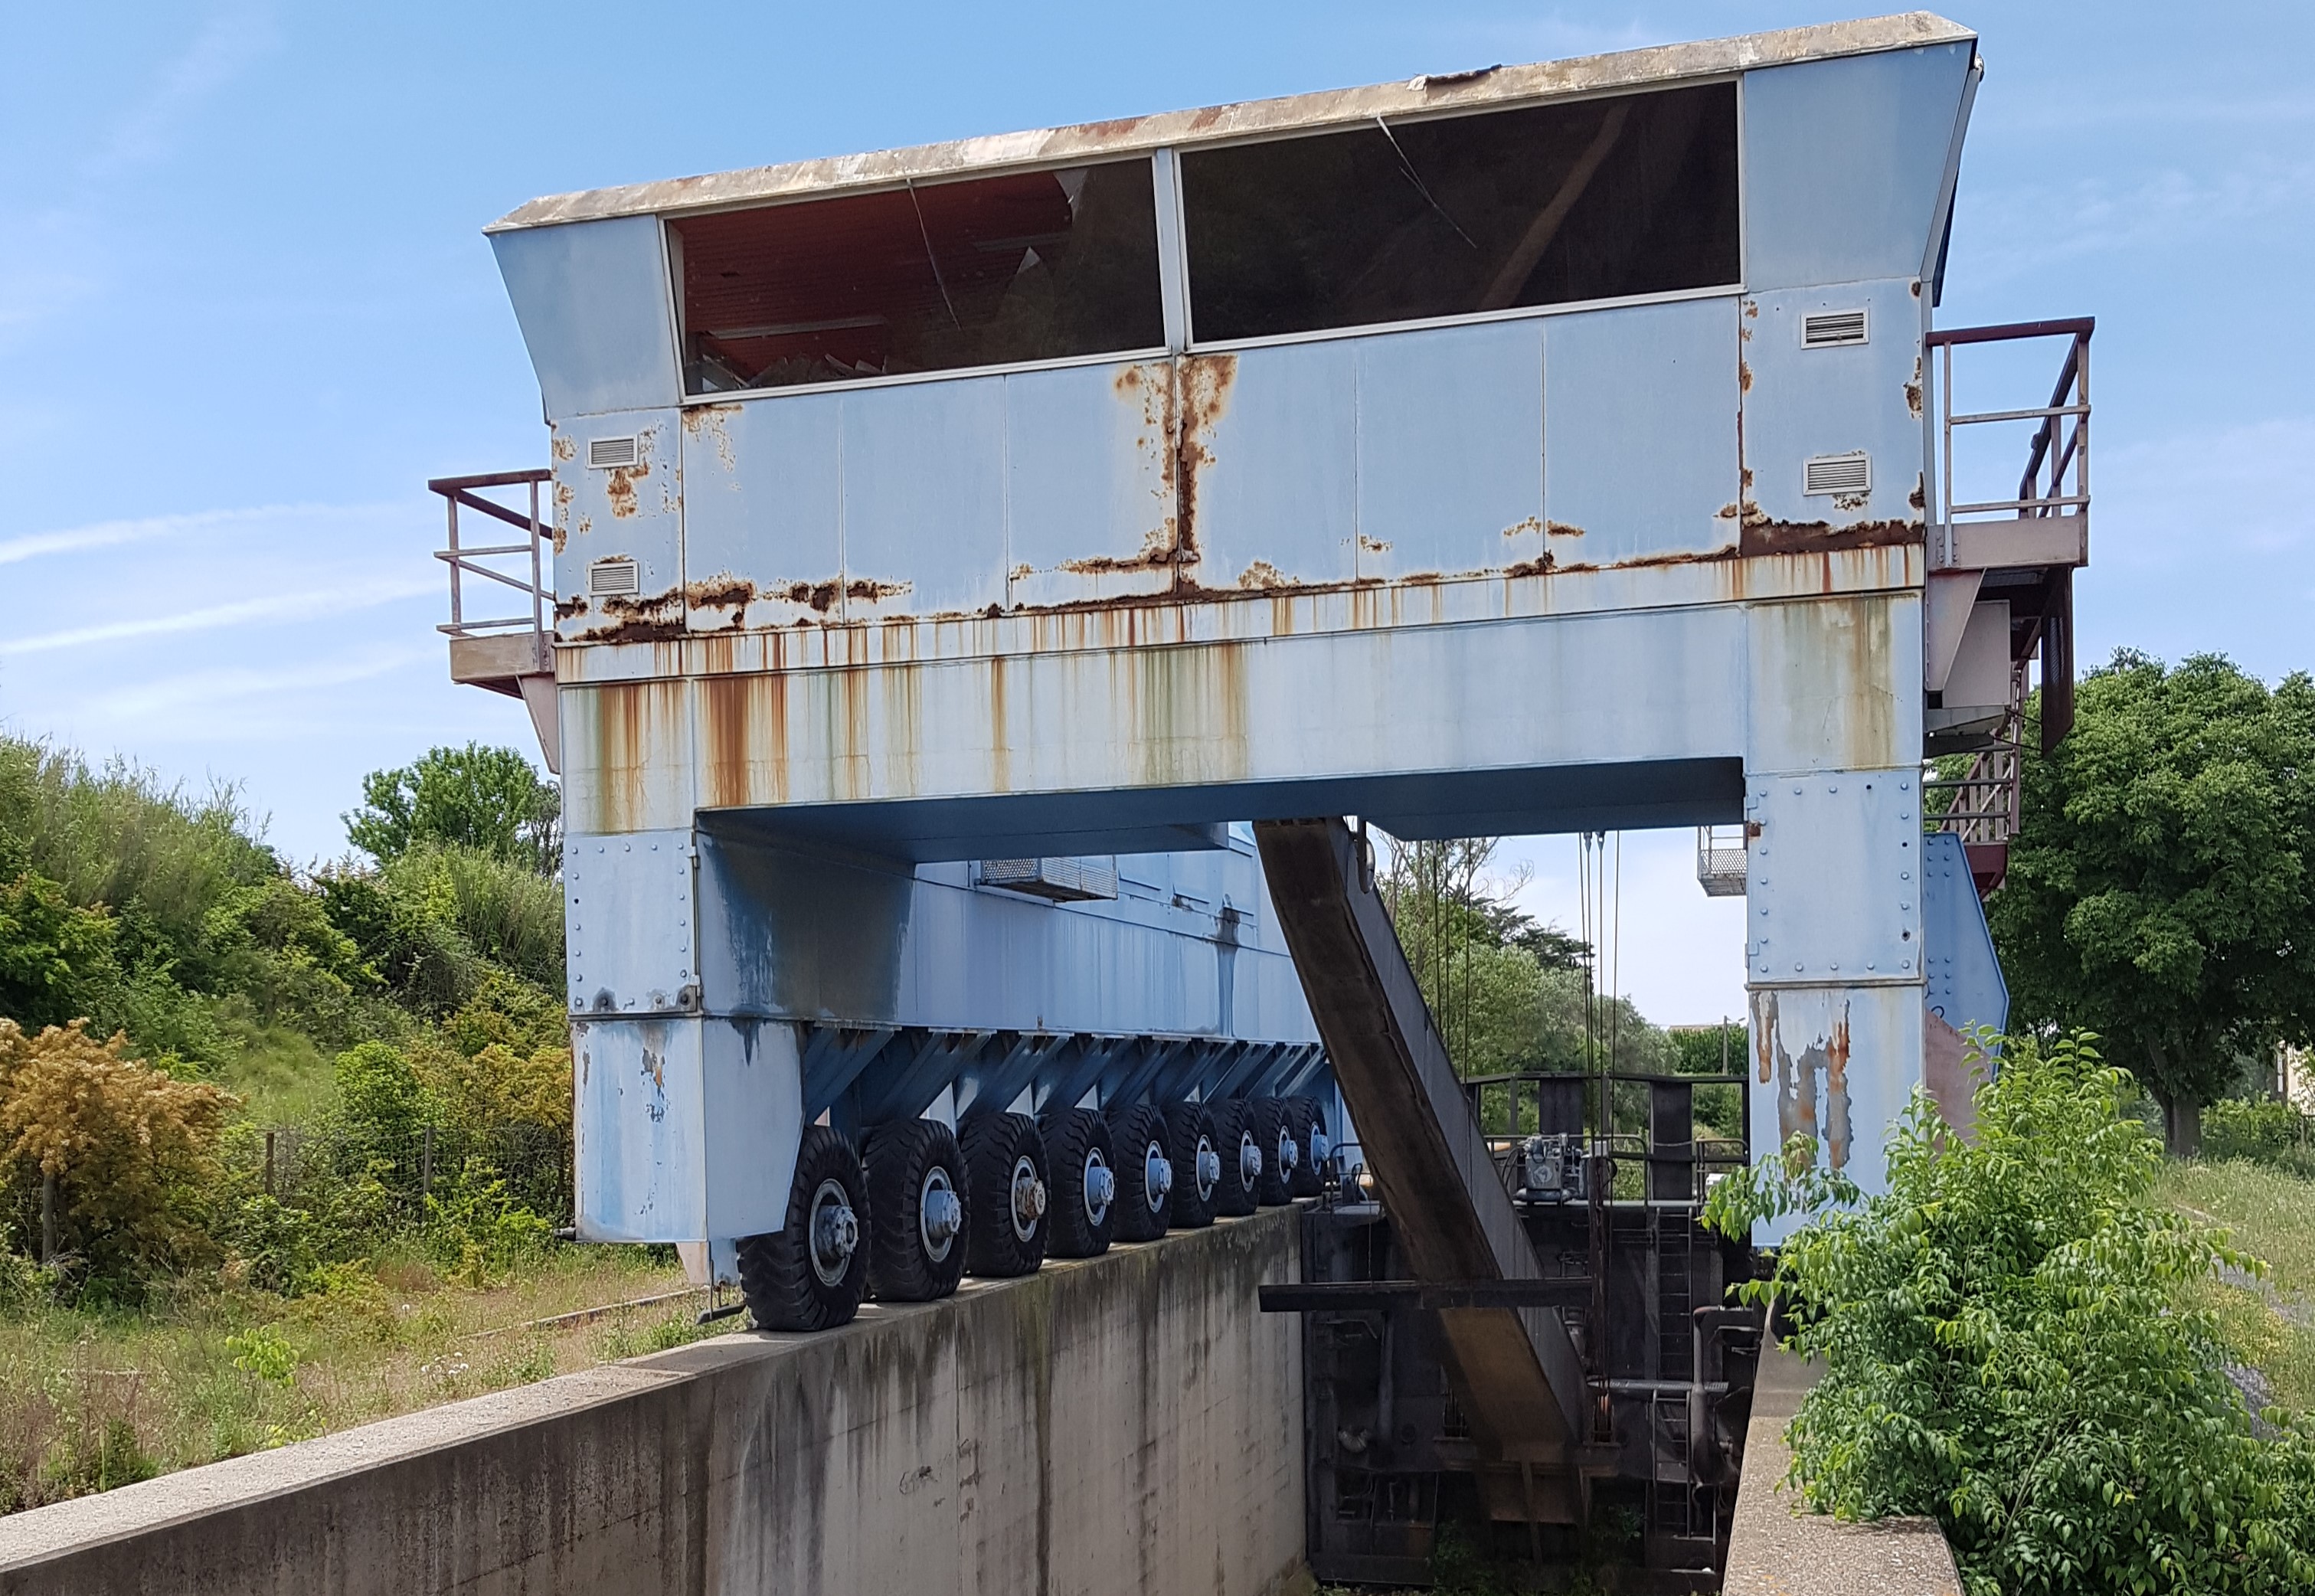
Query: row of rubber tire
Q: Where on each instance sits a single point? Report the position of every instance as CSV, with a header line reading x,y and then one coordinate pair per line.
x,y
1225,1159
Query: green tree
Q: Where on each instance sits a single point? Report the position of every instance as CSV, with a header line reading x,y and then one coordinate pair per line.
x,y
2159,890
488,799
1506,992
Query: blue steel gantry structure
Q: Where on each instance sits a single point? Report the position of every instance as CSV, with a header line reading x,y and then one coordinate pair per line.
x,y
972,565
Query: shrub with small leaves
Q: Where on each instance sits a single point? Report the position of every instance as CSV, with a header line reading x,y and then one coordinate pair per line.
x,y
2014,1342
132,1151
265,1352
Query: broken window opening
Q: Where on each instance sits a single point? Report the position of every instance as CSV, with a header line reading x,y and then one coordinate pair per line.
x,y
928,277
1455,216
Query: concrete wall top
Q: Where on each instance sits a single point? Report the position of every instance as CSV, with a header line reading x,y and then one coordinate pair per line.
x,y
1131,1423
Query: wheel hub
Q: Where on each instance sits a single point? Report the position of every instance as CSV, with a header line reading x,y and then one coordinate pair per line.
x,y
1028,1198
1100,1186
835,1232
1156,1176
1249,1160
1209,1168
1319,1147
1288,1155
940,1215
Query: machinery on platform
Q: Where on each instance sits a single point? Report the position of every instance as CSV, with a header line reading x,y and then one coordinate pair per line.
x,y
962,571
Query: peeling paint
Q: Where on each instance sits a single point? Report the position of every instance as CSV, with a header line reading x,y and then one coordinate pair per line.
x,y
1761,536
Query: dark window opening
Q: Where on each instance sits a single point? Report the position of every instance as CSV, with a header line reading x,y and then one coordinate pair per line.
x,y
1598,199
1030,266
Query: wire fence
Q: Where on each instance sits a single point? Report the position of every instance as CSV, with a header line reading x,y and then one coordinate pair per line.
x,y
533,1161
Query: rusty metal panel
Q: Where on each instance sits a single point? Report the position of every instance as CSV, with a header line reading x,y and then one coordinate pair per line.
x,y
1836,1063
1090,460
1834,683
1640,447
1844,162
1804,402
608,515
1450,451
593,302
924,499
1832,878
628,759
1268,460
762,541
1587,689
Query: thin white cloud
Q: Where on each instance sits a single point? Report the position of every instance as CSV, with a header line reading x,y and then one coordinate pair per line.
x,y
206,689
96,535
229,40
305,605
2012,230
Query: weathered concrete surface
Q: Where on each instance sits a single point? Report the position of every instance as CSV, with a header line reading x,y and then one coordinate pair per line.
x,y
1778,1549
1127,1424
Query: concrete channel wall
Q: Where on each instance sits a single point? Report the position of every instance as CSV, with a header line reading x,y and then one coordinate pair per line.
x,y
1126,1424
1780,1550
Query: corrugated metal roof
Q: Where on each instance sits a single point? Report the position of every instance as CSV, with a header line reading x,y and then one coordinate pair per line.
x,y
1496,86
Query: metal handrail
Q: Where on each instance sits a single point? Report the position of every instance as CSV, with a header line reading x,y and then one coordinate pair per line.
x,y
466,559
2061,445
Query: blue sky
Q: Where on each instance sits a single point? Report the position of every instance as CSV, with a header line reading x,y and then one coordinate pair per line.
x,y
246,310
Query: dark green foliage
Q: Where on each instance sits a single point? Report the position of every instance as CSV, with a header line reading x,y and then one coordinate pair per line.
x,y
2263,1131
380,1095
53,953
2014,1343
490,799
1708,1050
164,916
2161,888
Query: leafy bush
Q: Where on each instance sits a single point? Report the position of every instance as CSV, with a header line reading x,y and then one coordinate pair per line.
x,y
2265,1131
132,1151
476,1227
52,952
2014,1341
265,1352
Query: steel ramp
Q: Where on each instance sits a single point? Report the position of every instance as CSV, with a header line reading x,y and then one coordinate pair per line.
x,y
1516,1372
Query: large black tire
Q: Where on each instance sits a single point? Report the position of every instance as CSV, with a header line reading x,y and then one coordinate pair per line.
x,y
1143,1207
792,1283
1002,1237
1084,1216
1281,1153
1189,1132
914,1254
1308,1120
1238,1194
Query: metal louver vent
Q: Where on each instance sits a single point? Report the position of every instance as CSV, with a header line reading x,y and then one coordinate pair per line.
x,y
1840,473
1063,881
610,454
1829,328
614,579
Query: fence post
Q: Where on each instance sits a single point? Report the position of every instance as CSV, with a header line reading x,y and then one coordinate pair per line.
x,y
47,1217
426,1163
268,1163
